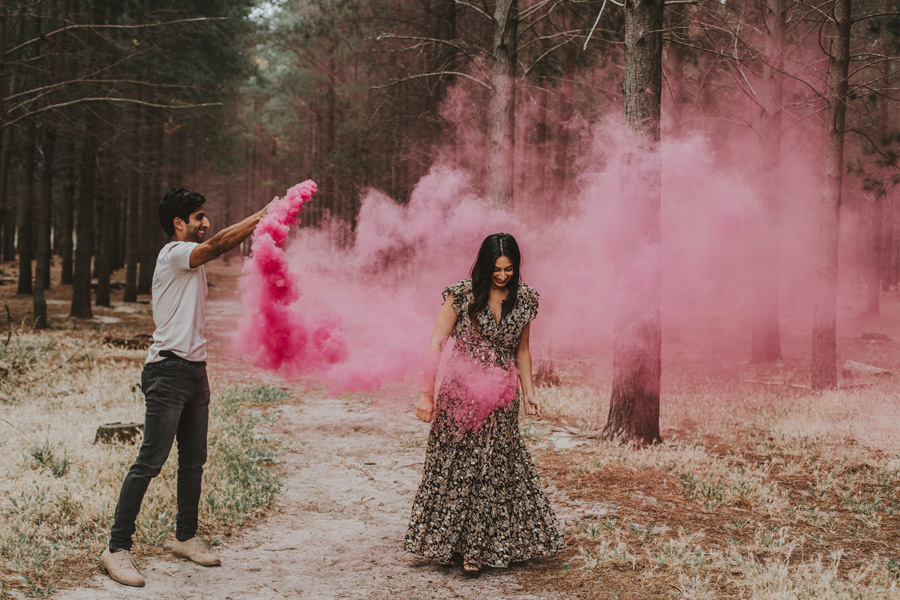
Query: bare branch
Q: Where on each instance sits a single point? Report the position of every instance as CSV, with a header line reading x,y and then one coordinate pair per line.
x,y
594,26
541,57
53,86
436,74
455,46
476,9
97,26
29,114
535,8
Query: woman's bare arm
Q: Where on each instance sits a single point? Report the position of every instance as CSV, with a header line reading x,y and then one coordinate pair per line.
x,y
445,322
523,362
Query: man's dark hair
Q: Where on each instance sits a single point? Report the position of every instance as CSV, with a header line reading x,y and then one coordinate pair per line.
x,y
178,203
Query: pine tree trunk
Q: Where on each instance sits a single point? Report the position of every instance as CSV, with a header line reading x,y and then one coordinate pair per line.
x,y
502,110
150,235
26,212
7,205
67,242
107,209
674,58
7,211
42,217
873,263
884,116
887,250
133,221
824,340
637,347
766,334
84,248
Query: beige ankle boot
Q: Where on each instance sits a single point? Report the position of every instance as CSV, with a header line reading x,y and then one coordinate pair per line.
x,y
194,550
121,567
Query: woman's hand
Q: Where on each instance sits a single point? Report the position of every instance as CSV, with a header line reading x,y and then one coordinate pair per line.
x,y
425,408
532,406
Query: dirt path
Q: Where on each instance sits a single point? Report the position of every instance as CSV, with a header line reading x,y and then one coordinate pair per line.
x,y
337,530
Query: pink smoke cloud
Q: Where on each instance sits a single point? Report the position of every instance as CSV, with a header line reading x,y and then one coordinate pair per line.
x,y
278,337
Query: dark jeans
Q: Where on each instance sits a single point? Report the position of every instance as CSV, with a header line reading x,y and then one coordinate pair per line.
x,y
176,394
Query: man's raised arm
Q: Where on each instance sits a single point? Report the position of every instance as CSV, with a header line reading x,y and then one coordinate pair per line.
x,y
226,239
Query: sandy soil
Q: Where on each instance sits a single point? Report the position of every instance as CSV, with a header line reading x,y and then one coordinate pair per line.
x,y
337,530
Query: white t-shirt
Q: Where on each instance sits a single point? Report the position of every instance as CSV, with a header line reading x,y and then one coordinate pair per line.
x,y
179,304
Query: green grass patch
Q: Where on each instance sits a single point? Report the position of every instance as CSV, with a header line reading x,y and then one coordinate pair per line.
x,y
58,489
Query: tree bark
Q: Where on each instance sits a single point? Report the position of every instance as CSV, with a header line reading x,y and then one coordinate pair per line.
x,y
887,251
26,212
67,243
502,111
107,209
873,257
563,122
766,334
7,213
42,217
133,220
84,248
637,347
8,247
824,339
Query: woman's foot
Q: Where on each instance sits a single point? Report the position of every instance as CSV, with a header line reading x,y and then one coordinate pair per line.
x,y
471,568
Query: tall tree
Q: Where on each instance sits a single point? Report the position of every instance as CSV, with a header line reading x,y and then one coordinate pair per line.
x,y
824,340
84,229
502,111
766,335
637,347
42,218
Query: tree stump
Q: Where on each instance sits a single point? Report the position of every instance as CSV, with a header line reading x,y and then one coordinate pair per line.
x,y
853,369
109,433
874,336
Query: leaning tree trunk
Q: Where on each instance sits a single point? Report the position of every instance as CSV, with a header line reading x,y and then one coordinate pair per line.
x,y
42,217
637,347
766,335
502,111
824,339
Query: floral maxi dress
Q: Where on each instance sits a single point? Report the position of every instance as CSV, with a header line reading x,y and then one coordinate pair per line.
x,y
480,495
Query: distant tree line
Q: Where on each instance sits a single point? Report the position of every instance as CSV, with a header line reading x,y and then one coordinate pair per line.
x,y
104,103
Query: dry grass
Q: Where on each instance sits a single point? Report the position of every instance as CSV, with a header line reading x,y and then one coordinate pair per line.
x,y
757,492
58,489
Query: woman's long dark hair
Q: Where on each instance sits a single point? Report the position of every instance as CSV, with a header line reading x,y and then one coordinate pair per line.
x,y
493,247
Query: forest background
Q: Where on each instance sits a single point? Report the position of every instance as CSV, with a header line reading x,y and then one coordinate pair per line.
x,y
764,192
106,104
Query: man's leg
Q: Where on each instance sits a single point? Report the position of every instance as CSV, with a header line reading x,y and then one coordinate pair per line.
x,y
192,432
165,391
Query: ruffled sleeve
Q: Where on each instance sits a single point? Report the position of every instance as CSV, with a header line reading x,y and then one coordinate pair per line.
x,y
528,296
460,291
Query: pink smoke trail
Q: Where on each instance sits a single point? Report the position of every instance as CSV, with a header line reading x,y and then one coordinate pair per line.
x,y
470,391
275,336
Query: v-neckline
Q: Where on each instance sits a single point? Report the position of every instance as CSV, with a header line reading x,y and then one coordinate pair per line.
x,y
491,311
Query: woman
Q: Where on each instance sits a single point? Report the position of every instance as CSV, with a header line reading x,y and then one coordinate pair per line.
x,y
480,498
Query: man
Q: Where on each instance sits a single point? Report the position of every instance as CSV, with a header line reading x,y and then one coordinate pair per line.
x,y
174,380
